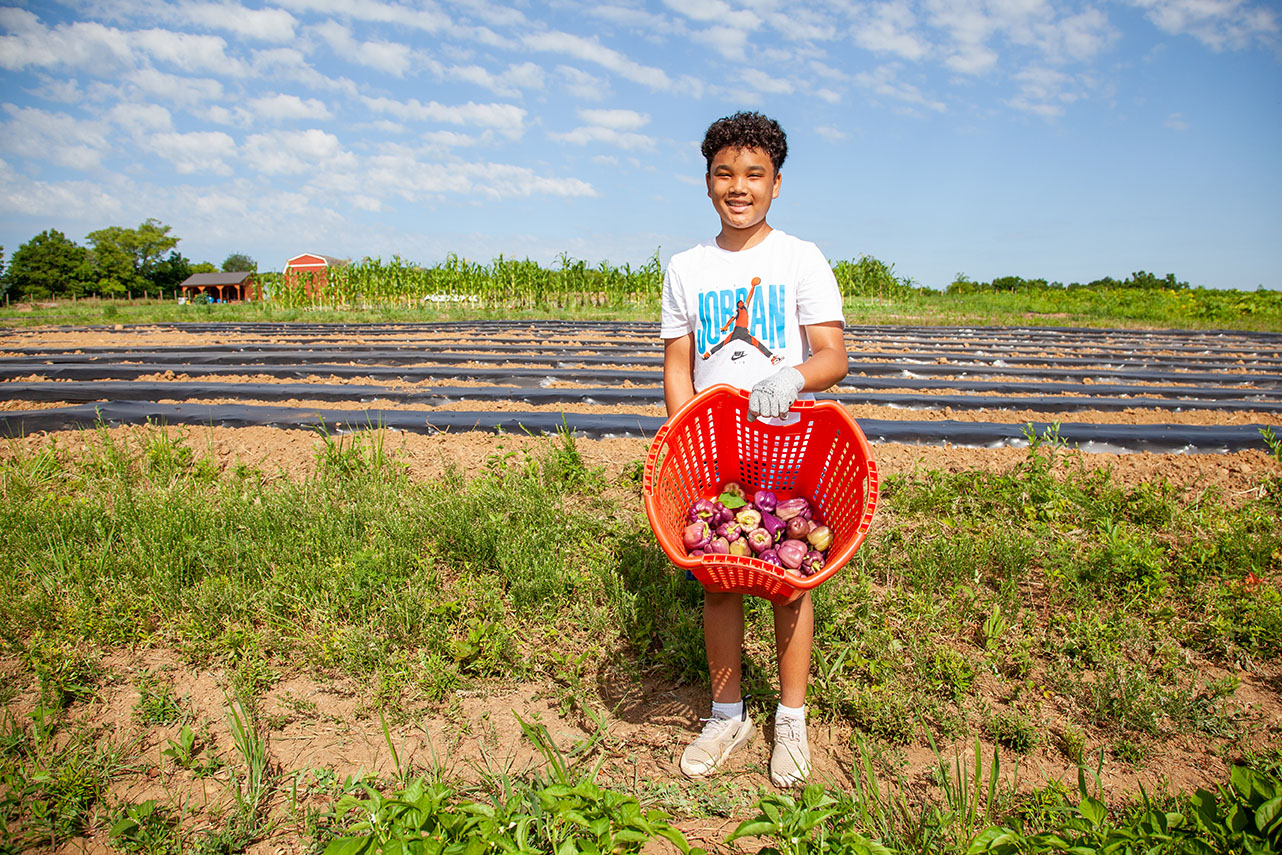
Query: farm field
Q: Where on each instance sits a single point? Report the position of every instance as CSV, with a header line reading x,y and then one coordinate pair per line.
x,y
372,547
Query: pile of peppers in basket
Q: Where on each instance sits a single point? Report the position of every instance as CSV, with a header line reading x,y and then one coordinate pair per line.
x,y
780,532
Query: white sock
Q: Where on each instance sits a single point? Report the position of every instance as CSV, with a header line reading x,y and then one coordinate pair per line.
x,y
798,713
732,710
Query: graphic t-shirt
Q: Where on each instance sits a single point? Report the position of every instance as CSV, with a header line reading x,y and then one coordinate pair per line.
x,y
746,309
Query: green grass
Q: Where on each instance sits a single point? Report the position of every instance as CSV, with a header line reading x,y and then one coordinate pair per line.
x,y
1046,609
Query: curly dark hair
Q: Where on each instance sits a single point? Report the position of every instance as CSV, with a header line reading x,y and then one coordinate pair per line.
x,y
746,130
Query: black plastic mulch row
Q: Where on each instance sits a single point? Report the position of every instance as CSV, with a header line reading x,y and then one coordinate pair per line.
x,y
138,390
1090,437
630,354
543,377
1038,337
191,361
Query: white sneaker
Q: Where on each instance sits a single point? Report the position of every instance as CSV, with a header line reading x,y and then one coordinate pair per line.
x,y
790,759
720,736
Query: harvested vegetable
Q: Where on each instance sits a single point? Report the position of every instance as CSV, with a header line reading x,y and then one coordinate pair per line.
x,y
779,532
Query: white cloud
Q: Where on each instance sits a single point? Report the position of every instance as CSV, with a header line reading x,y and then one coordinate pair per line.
x,y
1218,24
389,57
831,134
58,200
197,152
1044,92
884,81
507,119
450,139
1176,122
508,83
269,25
890,29
53,137
134,116
290,64
580,84
503,179
193,92
715,11
86,45
619,120
730,42
428,20
591,50
1080,37
800,24
189,52
283,106
756,80
408,176
608,136
295,152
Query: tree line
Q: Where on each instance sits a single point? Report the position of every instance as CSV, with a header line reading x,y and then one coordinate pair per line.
x,y
117,261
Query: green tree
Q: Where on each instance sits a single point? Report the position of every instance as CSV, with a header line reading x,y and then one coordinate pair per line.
x,y
124,259
169,273
237,262
48,265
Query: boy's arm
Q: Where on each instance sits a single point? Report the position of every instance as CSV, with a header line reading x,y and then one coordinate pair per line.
x,y
828,362
678,371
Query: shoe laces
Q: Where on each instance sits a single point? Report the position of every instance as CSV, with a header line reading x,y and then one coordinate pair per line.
x,y
716,725
789,729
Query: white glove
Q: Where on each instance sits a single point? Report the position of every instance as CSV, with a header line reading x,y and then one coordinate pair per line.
x,y
773,397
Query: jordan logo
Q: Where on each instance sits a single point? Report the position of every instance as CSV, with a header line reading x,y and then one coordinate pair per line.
x,y
740,329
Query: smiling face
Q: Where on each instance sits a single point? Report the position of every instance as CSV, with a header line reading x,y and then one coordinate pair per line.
x,y
742,183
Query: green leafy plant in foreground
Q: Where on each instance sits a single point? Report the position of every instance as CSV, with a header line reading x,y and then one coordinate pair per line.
x,y
1245,817
558,814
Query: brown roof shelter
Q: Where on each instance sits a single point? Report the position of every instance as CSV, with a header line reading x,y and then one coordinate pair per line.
x,y
221,287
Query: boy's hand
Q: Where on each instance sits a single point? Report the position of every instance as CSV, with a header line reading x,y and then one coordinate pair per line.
x,y
773,397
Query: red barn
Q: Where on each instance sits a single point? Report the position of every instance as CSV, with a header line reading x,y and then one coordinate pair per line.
x,y
311,271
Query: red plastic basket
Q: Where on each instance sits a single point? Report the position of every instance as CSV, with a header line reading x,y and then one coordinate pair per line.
x,y
823,456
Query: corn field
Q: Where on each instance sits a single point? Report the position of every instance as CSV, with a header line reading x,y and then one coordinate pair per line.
x,y
504,282
525,284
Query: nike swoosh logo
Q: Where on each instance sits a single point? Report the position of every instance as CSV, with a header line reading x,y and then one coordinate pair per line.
x,y
737,355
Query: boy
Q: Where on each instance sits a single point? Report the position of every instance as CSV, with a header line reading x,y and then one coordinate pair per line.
x,y
760,310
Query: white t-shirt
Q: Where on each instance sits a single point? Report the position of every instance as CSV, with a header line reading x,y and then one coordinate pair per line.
x,y
744,333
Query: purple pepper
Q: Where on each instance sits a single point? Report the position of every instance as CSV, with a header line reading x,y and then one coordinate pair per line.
x,y
724,514
702,509
696,535
774,525
791,553
771,557
812,563
718,546
729,530
789,508
760,540
798,528
697,553
765,500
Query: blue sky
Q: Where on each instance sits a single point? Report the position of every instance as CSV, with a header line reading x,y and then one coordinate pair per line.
x,y
990,137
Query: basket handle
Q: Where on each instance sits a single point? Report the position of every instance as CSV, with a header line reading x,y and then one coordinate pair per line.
x,y
798,406
873,491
